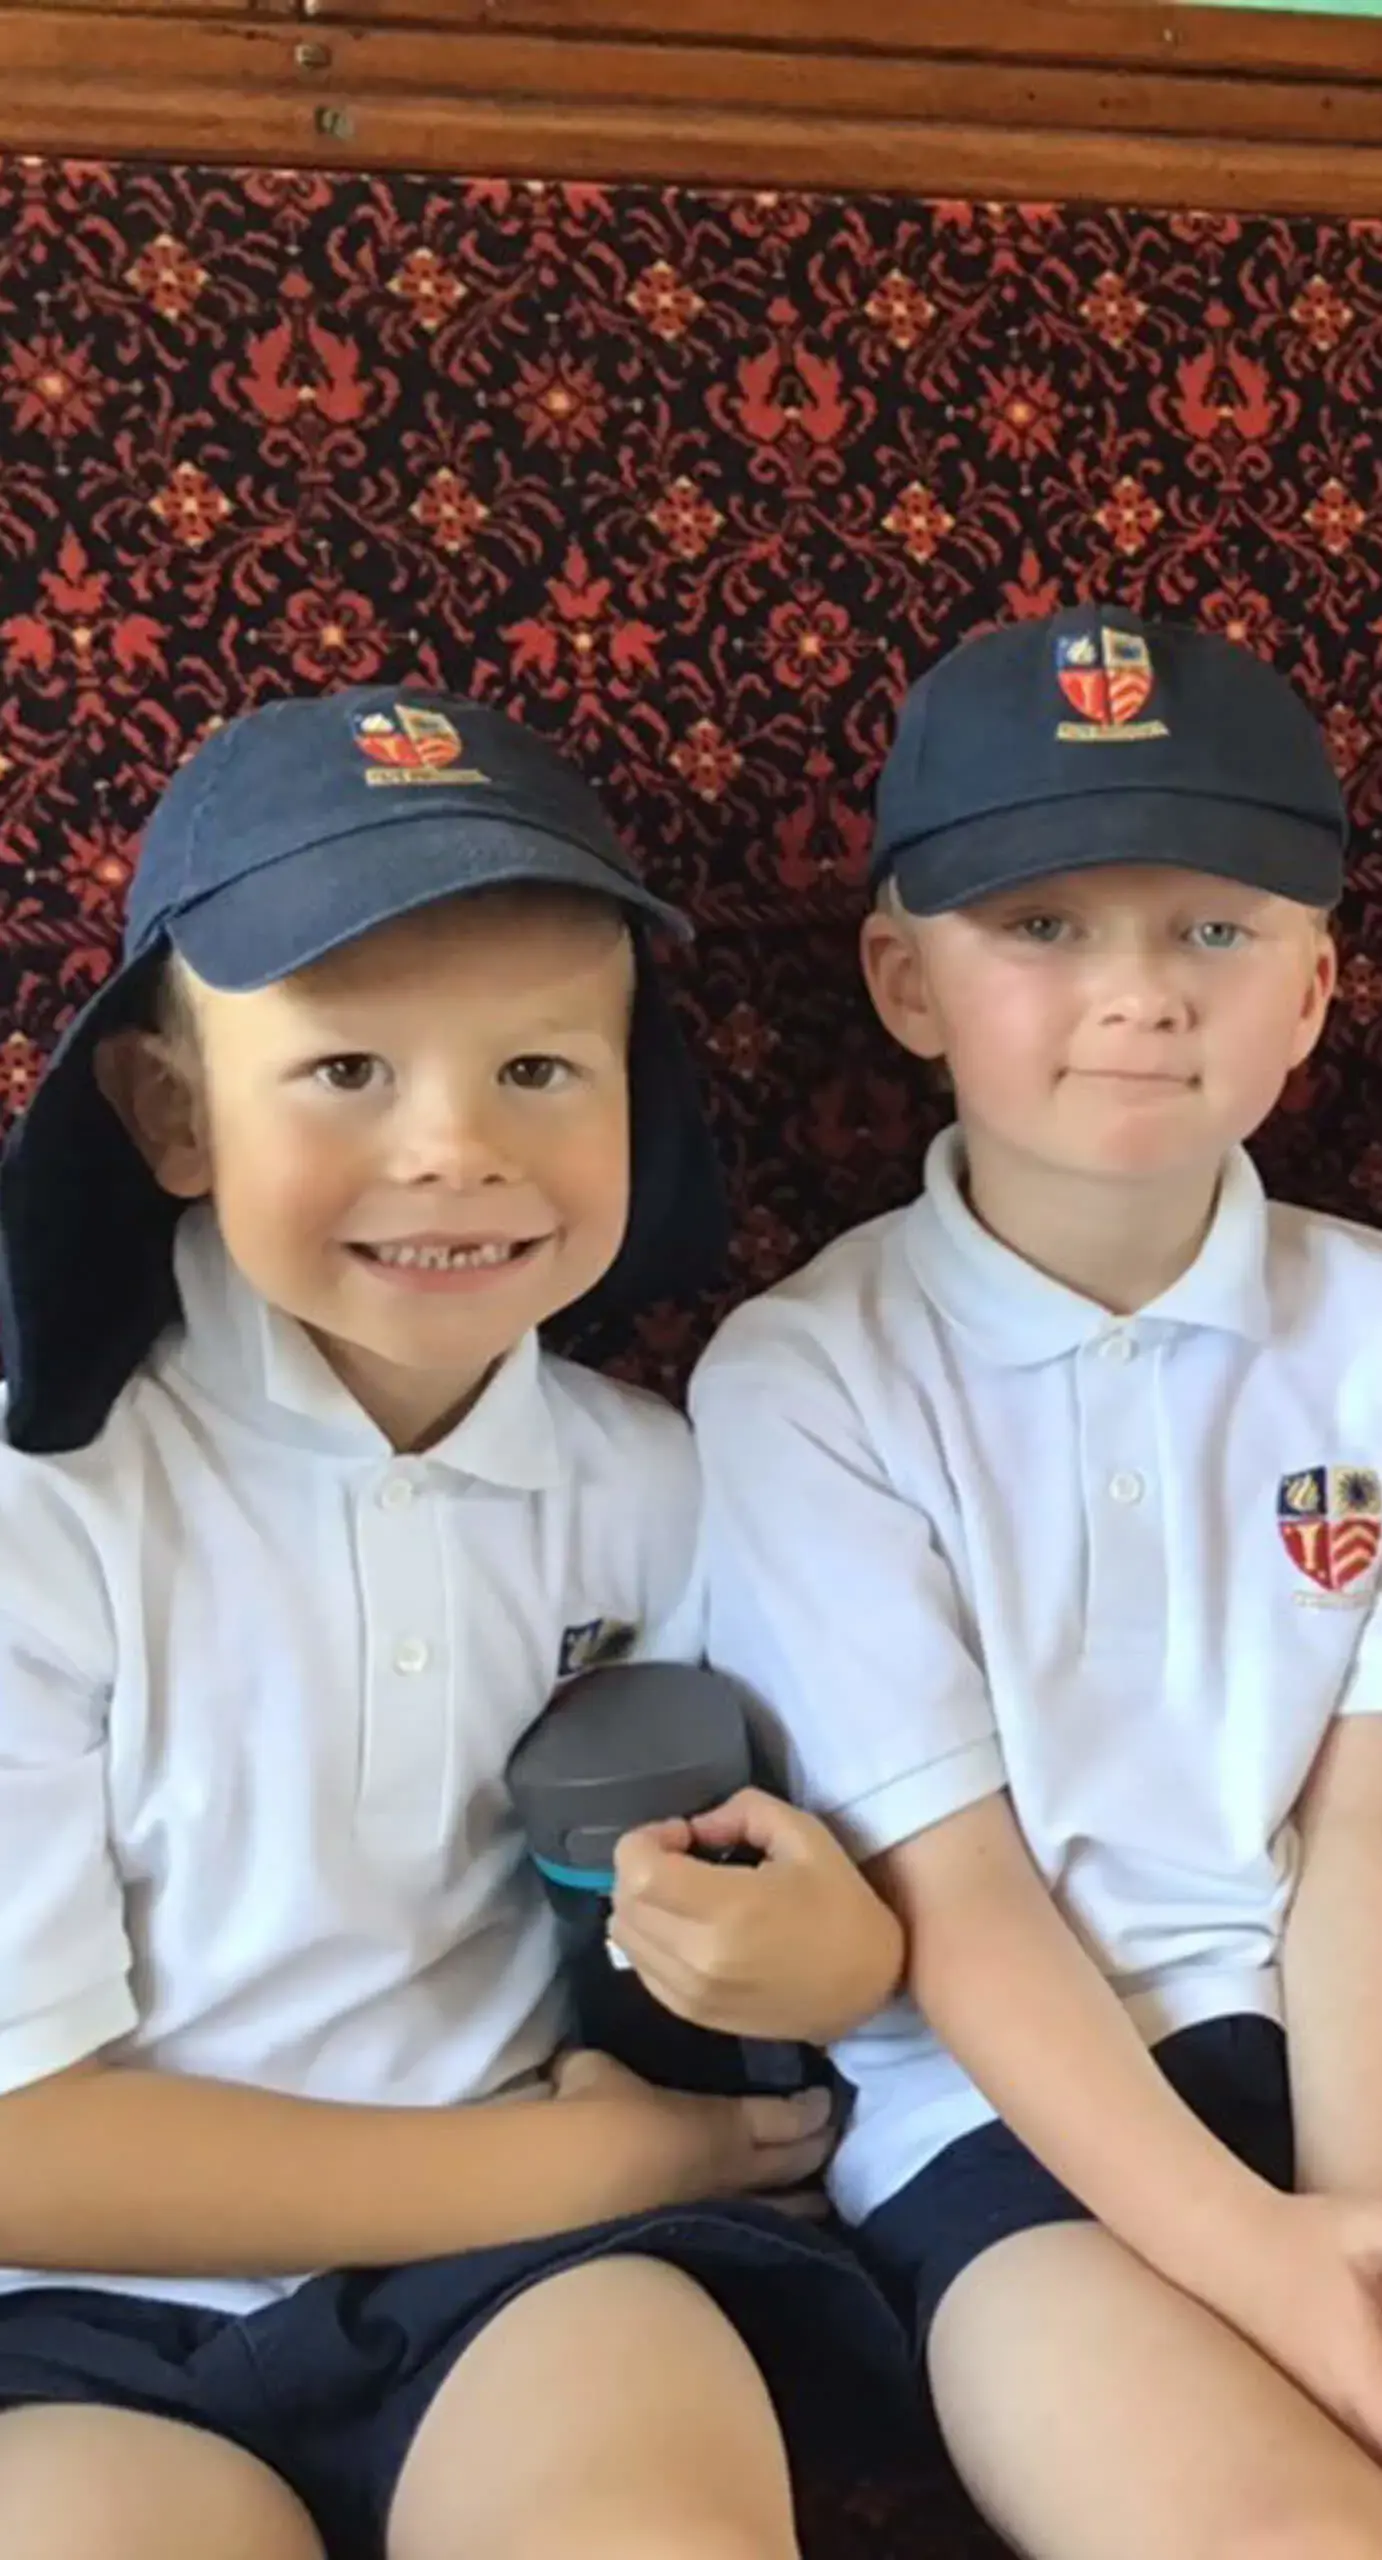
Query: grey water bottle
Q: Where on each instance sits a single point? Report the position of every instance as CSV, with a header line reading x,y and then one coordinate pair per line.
x,y
620,1746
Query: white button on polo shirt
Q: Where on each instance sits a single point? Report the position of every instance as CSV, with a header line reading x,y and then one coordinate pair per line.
x,y
256,1708
956,1541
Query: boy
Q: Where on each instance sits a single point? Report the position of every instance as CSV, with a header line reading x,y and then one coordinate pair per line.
x,y
299,1529
1044,1517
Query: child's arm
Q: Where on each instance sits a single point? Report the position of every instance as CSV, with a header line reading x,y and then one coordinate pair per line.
x,y
796,1946
1004,1983
1009,1989
831,1597
1333,1967
126,2172
107,2167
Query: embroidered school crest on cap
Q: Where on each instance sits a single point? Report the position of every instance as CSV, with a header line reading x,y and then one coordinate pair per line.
x,y
409,744
1106,676
1330,1520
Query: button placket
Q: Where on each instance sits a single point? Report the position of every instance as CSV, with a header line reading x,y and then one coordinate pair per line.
x,y
405,1774
1121,1481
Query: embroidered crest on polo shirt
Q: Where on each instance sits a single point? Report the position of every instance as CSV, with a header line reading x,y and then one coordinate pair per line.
x,y
592,1646
410,745
1330,1522
1107,677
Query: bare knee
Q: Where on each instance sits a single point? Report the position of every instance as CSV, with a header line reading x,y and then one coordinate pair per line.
x,y
661,2446
82,2483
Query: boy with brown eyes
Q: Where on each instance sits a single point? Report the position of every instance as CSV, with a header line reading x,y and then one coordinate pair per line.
x,y
316,2241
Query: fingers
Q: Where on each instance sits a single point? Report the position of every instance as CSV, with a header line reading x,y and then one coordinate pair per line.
x,y
774,2121
684,1990
752,1819
703,1973
695,1949
583,2074
640,1855
722,1967
662,1877
574,2072
790,2164
646,1929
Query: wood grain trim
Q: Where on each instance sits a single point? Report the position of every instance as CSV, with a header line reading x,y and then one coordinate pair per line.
x,y
365,64
1119,35
204,83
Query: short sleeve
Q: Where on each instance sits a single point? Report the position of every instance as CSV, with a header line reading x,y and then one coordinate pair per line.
x,y
64,1954
829,1597
1362,1690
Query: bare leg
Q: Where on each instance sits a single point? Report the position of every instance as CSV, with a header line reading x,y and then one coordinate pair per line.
x,y
610,2414
1095,2413
108,2484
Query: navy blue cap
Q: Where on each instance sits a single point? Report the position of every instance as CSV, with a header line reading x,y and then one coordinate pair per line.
x,y
293,831
1094,737
300,827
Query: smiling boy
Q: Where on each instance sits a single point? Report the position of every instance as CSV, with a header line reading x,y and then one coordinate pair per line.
x,y
318,2241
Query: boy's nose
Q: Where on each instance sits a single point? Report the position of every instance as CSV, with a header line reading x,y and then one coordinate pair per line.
x,y
1153,1011
1143,995
456,1148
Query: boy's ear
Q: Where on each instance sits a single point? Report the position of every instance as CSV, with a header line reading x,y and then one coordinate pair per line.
x,y
1324,977
153,1089
896,977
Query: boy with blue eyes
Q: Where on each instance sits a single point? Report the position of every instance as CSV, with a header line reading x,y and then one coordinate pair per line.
x,y
1044,1517
314,2240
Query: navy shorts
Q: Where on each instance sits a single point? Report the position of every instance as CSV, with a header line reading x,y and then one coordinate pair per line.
x,y
329,2385
987,2186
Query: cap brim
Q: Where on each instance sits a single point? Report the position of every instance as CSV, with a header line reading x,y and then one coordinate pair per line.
x,y
1265,849
265,926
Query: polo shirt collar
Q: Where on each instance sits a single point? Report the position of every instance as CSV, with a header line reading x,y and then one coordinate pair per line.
x,y
1016,1316
264,1365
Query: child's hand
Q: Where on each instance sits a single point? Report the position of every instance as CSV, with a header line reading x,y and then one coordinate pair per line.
x,y
798,1947
685,2148
1312,2301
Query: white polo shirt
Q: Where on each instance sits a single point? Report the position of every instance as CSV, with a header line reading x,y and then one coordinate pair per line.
x,y
259,1681
965,1530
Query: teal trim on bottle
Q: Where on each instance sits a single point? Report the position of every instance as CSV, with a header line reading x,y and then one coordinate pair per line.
x,y
576,1879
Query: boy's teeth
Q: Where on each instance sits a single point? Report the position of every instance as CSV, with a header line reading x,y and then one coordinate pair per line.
x,y
444,1257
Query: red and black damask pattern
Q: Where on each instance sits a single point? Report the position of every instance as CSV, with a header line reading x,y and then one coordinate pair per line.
x,y
696,483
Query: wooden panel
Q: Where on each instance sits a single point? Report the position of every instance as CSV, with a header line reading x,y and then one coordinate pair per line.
x,y
73,17
359,66
1127,32
945,160
1004,117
